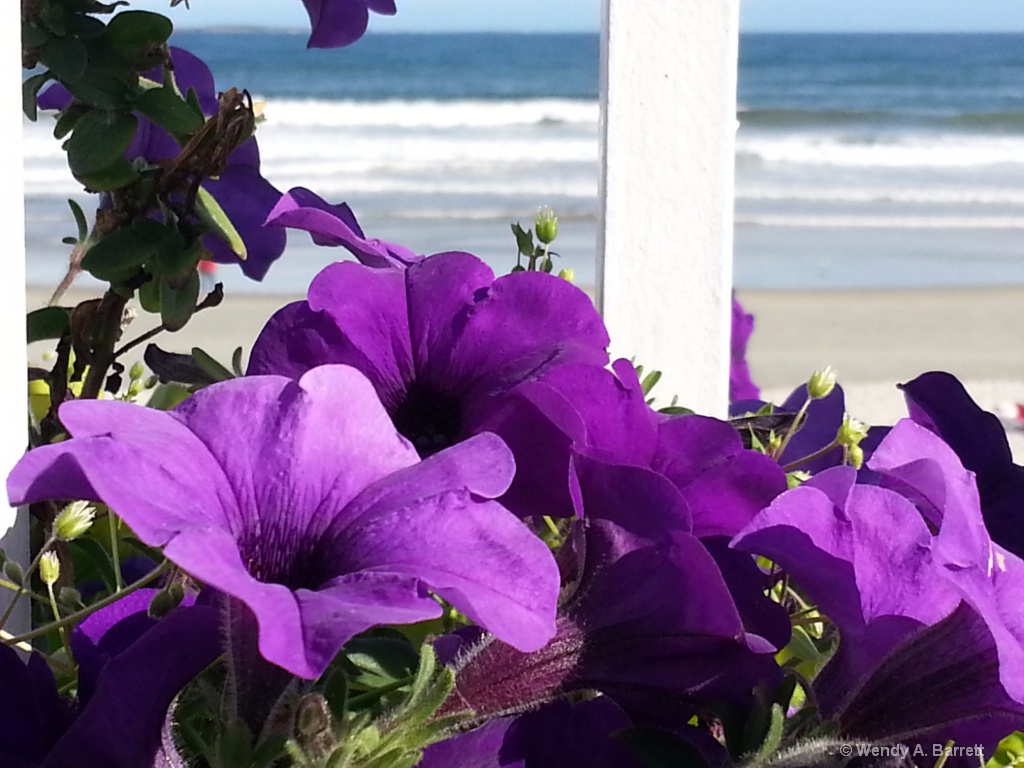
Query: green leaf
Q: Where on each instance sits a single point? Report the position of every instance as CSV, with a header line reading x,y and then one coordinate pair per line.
x,y
1010,752
210,365
33,36
47,323
132,32
649,381
120,174
149,295
102,89
167,396
99,142
380,660
80,220
66,56
213,216
166,108
119,255
524,240
236,362
177,304
68,118
30,94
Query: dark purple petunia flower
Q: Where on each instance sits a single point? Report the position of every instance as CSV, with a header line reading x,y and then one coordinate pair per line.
x,y
741,386
337,23
334,225
300,501
131,669
603,415
899,593
939,402
444,343
240,190
650,624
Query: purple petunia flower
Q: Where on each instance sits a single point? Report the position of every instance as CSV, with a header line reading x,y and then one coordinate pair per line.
x,y
931,625
241,191
337,23
741,386
334,225
939,402
444,344
300,501
131,668
650,624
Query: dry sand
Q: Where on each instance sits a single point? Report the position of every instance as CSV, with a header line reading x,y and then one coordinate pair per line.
x,y
875,339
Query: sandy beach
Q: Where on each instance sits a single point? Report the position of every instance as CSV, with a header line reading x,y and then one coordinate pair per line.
x,y
874,338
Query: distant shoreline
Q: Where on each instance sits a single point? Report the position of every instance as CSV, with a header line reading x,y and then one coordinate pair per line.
x,y
266,30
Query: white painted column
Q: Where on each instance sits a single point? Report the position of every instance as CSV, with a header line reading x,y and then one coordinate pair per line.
x,y
13,387
668,109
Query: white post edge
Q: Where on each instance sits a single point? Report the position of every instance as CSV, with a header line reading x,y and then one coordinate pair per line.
x,y
668,132
13,355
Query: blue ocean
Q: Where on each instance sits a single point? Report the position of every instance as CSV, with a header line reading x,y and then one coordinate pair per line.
x,y
862,160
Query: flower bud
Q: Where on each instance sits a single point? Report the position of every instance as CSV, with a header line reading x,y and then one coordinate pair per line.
x,y
137,371
796,478
851,431
14,573
855,456
49,568
567,274
74,520
546,225
822,383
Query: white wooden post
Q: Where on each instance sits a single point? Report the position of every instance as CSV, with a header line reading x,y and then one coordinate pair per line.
x,y
13,357
668,109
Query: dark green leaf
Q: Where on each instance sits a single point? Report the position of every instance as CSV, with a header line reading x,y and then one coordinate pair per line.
x,y
47,323
131,33
103,89
33,36
100,562
80,220
68,118
99,141
676,410
66,56
176,368
30,93
236,362
167,396
85,27
177,303
120,174
524,240
165,108
381,660
119,255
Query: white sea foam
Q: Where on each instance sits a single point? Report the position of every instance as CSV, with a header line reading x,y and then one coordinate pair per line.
x,y
897,151
855,221
395,113
924,194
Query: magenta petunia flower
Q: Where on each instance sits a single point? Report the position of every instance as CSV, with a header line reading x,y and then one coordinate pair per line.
x,y
300,501
337,23
240,190
928,609
334,225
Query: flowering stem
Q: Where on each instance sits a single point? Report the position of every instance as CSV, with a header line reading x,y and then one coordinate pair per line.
x,y
26,577
56,615
115,555
809,457
73,618
15,588
797,423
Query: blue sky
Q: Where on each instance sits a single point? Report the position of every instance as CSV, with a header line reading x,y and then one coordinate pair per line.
x,y
583,15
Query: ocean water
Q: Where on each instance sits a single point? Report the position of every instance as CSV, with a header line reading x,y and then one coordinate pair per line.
x,y
862,160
